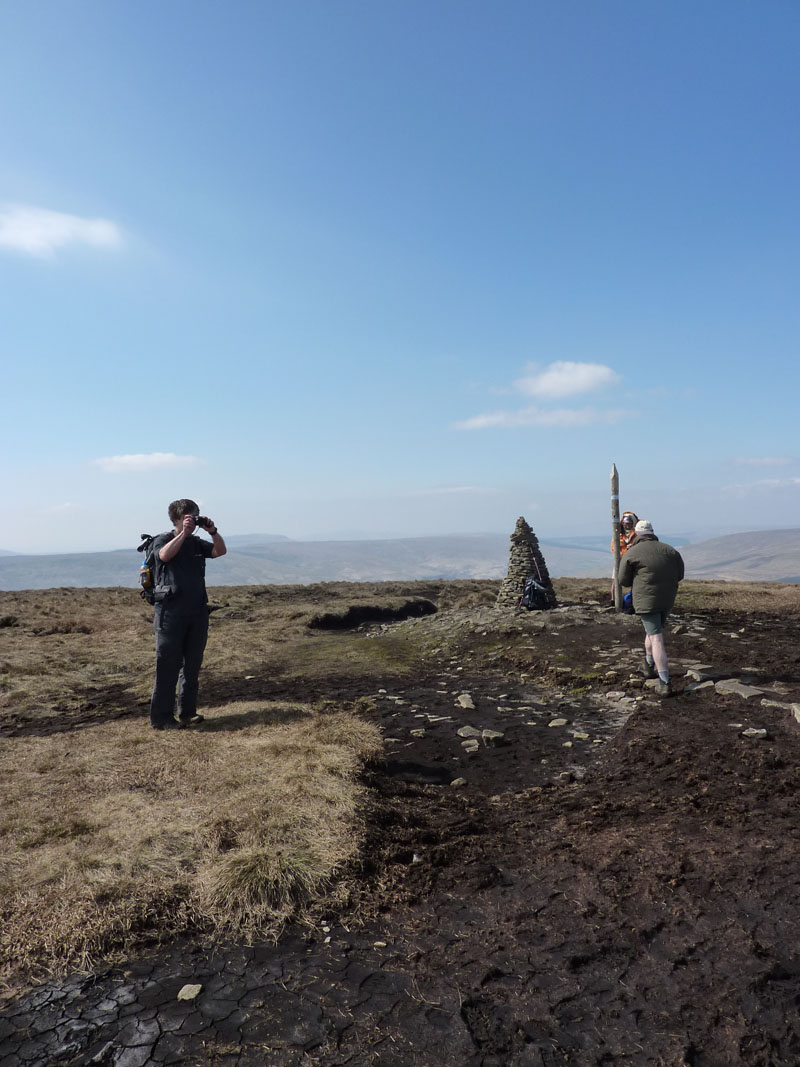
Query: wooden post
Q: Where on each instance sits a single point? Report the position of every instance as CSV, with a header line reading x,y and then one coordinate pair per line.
x,y
615,534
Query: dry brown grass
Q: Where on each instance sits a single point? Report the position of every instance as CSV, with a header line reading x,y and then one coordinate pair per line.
x,y
117,831
65,645
755,598
62,650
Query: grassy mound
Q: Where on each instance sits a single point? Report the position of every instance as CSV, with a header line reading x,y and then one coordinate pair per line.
x,y
115,831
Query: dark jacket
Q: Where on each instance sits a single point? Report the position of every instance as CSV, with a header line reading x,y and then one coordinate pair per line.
x,y
181,582
654,569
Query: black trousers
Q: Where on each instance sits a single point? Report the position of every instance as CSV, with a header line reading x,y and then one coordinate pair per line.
x,y
180,644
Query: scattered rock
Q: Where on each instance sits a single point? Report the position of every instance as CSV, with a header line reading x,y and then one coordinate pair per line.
x,y
737,688
466,701
458,782
468,731
189,992
755,733
699,687
558,722
470,746
492,738
418,733
704,673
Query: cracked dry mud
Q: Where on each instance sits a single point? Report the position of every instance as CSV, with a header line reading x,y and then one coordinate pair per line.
x,y
619,888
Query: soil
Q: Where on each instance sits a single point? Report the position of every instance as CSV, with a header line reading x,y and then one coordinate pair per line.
x,y
616,881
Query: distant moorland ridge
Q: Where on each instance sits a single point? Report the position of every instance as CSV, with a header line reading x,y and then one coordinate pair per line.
x,y
268,559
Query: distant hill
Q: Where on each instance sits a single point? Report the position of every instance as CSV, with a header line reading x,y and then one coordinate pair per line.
x,y
771,556
270,560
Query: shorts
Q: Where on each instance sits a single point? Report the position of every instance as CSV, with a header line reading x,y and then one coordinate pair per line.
x,y
653,621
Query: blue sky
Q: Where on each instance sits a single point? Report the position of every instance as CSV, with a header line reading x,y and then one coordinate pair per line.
x,y
340,268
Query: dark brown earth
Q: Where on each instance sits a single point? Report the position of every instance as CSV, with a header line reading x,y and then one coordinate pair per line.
x,y
629,897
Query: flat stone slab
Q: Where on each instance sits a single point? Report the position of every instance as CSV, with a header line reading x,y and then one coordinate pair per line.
x,y
468,731
706,672
737,688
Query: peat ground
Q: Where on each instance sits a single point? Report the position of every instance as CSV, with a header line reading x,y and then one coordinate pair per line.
x,y
616,880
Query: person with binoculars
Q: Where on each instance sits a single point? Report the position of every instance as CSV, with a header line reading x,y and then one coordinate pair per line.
x,y
181,613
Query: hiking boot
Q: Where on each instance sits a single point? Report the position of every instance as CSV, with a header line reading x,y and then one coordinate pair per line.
x,y
648,669
663,689
170,724
192,720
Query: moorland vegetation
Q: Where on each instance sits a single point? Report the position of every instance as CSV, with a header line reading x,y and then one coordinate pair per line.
x,y
111,834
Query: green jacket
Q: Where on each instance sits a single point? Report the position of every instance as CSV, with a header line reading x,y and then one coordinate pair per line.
x,y
654,569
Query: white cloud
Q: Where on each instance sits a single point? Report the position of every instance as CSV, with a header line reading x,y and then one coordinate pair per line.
x,y
534,416
144,462
560,379
763,461
565,378
39,232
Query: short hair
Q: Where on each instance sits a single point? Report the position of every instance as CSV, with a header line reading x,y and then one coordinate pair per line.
x,y
179,508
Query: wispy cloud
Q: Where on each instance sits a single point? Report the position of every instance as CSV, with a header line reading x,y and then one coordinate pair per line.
x,y
149,461
743,488
763,461
39,232
565,378
534,416
458,490
555,381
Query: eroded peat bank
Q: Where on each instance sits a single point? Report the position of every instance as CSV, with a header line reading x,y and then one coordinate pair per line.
x,y
550,864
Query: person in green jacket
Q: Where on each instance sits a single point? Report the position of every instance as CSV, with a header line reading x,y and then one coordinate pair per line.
x,y
654,569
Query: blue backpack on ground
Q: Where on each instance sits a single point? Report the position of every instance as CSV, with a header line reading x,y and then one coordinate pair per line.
x,y
534,596
627,604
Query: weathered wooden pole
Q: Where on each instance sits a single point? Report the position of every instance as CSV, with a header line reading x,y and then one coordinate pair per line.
x,y
615,534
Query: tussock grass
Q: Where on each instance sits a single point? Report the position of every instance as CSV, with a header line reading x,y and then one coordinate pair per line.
x,y
118,832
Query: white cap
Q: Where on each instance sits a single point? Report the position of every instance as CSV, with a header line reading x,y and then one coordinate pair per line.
x,y
644,527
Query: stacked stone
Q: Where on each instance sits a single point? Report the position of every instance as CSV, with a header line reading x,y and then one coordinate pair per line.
x,y
525,561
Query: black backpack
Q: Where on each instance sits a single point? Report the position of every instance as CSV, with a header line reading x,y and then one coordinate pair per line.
x,y
534,596
147,573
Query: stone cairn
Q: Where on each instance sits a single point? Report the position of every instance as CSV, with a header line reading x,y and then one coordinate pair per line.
x,y
525,561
